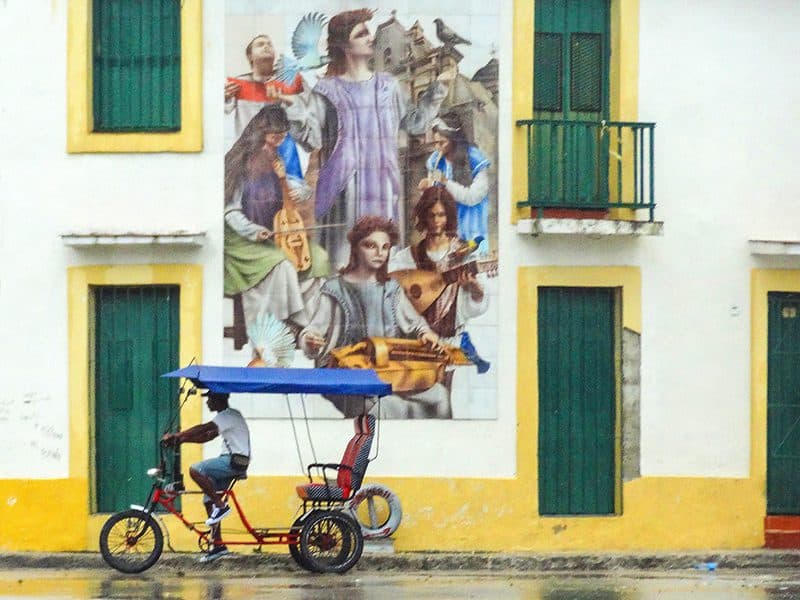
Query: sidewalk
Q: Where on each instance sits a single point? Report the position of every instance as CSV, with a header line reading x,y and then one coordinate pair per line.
x,y
437,561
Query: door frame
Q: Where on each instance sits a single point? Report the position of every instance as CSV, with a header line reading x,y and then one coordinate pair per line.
x,y
773,451
80,305
623,102
629,282
763,281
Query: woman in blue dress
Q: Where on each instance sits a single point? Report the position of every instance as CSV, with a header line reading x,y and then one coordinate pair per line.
x,y
459,165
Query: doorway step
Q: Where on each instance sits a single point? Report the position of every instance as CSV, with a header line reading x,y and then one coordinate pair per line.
x,y
782,531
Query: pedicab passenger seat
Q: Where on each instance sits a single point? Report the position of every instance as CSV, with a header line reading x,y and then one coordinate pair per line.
x,y
350,471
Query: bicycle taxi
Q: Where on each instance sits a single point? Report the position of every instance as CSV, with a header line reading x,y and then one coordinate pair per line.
x,y
324,538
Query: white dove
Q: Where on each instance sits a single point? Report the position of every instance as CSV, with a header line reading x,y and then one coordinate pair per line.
x,y
272,342
305,47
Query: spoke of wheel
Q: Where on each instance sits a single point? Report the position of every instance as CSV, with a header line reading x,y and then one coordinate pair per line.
x,y
117,546
142,538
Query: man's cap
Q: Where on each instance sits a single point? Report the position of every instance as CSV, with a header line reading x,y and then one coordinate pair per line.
x,y
211,394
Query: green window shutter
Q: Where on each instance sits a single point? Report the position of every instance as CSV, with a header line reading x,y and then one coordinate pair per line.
x,y
586,72
136,57
548,72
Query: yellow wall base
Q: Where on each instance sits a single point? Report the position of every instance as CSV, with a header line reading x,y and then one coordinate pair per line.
x,y
455,515
43,514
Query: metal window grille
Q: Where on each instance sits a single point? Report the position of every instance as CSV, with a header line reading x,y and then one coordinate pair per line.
x,y
586,72
548,72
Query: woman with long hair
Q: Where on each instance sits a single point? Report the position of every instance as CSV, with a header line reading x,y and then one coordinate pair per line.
x,y
353,116
459,166
362,302
435,217
255,178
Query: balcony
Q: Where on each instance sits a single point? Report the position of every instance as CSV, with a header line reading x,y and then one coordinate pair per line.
x,y
591,178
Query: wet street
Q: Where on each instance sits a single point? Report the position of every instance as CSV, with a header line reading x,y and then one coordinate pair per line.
x,y
641,585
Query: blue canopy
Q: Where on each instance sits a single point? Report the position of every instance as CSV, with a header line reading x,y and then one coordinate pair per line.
x,y
362,382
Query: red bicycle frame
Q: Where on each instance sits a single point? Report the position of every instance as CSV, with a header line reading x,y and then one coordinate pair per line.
x,y
261,536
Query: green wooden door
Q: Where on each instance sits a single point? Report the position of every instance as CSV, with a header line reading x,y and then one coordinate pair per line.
x,y
577,401
783,404
571,89
136,340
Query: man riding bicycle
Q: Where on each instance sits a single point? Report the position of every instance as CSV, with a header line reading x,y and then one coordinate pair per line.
x,y
214,474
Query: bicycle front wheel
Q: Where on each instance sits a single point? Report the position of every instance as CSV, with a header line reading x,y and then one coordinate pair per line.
x,y
131,541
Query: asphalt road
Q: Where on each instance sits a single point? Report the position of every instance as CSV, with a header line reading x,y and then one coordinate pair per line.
x,y
628,585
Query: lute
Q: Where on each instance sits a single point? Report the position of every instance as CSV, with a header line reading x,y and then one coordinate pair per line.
x,y
424,287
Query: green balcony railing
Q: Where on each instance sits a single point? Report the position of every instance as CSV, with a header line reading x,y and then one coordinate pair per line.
x,y
587,165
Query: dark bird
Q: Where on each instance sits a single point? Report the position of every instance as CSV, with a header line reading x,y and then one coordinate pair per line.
x,y
447,36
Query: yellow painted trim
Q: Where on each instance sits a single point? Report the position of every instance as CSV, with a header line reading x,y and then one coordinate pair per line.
x,y
81,138
624,67
79,297
618,303
521,103
624,88
763,281
626,279
623,93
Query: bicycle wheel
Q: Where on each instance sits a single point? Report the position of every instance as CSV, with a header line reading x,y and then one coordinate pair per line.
x,y
131,541
294,549
331,542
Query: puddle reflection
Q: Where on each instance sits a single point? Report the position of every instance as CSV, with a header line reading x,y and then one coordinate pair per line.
x,y
395,586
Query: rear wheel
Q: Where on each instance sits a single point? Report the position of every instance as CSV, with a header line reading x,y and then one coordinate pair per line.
x,y
330,542
131,541
294,549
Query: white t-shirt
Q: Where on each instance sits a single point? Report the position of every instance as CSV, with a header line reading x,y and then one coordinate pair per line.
x,y
234,432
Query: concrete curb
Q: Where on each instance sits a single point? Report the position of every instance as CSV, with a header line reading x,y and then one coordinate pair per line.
x,y
433,561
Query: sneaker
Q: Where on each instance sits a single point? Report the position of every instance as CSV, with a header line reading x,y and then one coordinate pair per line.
x,y
213,554
218,514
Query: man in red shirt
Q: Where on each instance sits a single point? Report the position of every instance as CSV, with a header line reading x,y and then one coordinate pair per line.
x,y
247,94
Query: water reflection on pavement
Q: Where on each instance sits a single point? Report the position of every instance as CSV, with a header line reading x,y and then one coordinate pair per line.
x,y
81,585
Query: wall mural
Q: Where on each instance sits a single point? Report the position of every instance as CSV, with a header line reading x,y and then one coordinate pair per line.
x,y
360,201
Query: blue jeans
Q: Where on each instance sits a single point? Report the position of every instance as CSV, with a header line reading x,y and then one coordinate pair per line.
x,y
218,470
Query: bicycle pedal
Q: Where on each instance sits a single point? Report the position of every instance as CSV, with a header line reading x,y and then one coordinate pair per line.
x,y
174,487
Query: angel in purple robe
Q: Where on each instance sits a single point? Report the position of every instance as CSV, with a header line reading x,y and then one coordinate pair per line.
x,y
353,117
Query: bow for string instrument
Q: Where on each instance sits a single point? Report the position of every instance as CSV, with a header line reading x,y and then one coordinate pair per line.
x,y
289,231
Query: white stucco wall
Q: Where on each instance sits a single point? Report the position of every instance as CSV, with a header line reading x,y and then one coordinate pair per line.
x,y
721,80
